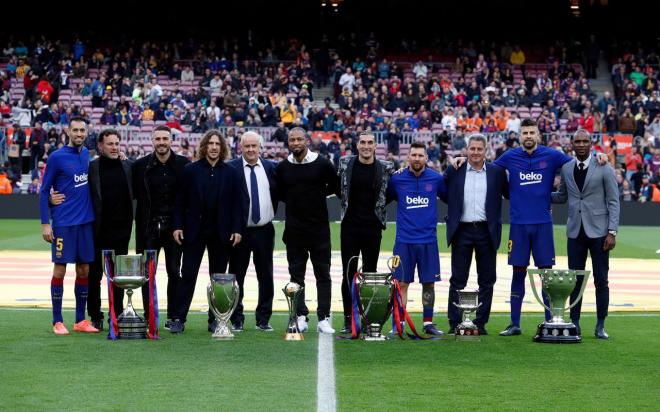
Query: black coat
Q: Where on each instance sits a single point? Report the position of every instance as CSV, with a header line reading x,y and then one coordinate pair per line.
x,y
191,200
95,190
497,186
141,168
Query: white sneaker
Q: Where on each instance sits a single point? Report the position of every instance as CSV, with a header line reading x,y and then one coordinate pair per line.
x,y
302,324
324,326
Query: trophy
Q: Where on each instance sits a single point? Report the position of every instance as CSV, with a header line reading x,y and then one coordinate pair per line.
x,y
129,272
375,300
222,293
558,284
292,292
468,302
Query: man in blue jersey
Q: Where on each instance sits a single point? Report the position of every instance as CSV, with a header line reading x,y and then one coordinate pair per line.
x,y
71,233
416,190
531,170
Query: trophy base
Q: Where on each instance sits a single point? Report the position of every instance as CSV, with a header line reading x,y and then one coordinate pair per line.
x,y
294,336
374,338
467,334
557,333
222,336
131,327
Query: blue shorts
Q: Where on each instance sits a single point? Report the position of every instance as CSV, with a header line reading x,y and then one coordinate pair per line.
x,y
73,244
422,255
535,238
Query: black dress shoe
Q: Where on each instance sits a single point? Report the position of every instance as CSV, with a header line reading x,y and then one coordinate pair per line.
x,y
511,331
452,330
578,330
482,331
212,326
177,326
98,324
237,327
600,333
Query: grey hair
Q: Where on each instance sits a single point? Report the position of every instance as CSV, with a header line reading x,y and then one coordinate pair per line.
x,y
584,132
300,130
253,134
479,138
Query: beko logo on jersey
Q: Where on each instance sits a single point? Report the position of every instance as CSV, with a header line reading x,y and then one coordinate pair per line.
x,y
416,202
80,179
530,178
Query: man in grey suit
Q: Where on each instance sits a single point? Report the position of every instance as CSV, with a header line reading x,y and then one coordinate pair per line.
x,y
593,220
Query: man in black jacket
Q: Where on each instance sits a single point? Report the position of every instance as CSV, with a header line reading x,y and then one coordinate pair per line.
x,y
112,198
156,180
207,215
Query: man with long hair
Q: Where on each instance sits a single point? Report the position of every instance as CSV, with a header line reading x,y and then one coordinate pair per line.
x,y
207,216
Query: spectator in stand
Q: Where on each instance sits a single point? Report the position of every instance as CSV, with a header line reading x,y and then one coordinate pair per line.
x,y
513,124
627,122
37,142
347,80
587,121
5,184
633,162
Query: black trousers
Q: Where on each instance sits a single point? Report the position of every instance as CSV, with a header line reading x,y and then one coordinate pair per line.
x,y
354,242
472,238
577,258
160,237
258,242
120,246
193,252
318,251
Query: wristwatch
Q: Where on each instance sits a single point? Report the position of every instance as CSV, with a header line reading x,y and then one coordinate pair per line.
x,y
612,232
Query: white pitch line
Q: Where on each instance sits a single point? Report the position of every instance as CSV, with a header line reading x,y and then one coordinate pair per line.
x,y
326,398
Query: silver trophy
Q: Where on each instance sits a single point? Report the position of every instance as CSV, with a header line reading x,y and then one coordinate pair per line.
x,y
222,293
292,292
468,302
129,272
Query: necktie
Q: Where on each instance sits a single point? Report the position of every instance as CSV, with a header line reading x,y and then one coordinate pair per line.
x,y
581,166
254,195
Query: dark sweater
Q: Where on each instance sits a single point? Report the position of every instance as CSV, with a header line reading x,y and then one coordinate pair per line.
x,y
116,212
304,188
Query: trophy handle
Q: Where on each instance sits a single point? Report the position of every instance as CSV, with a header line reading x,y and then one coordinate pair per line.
x,y
584,273
531,272
211,297
393,262
109,263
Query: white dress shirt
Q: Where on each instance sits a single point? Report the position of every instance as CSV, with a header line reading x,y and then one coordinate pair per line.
x,y
474,195
266,211
309,158
585,162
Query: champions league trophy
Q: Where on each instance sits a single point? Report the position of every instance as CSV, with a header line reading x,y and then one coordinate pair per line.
x,y
375,304
222,293
468,302
129,272
558,285
292,292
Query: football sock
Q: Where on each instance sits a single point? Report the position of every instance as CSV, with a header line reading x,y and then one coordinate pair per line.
x,y
517,295
56,292
80,289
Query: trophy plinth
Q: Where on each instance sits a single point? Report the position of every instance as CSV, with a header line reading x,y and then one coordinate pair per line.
x,y
558,284
468,302
222,293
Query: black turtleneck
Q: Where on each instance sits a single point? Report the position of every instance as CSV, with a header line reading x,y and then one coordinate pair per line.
x,y
116,201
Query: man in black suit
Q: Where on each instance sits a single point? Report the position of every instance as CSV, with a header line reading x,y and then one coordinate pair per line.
x,y
259,200
206,217
112,197
474,223
156,181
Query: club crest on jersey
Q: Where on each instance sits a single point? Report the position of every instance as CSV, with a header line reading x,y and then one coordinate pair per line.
x,y
428,187
530,178
416,202
543,164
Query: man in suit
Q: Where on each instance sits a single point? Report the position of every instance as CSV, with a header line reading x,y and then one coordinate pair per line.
x,y
156,181
259,204
206,217
474,224
112,199
593,220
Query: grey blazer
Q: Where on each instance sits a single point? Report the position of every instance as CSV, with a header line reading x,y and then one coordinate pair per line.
x,y
596,206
